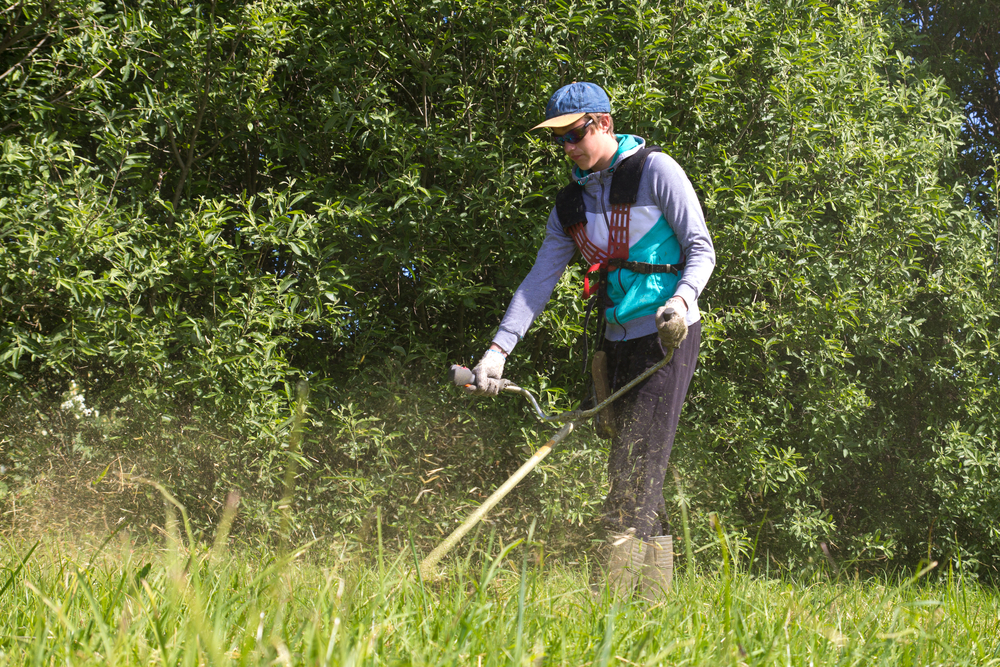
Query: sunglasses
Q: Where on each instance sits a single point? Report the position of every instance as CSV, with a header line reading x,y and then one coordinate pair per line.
x,y
574,136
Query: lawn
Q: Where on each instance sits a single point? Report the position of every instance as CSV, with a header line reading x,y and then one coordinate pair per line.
x,y
121,604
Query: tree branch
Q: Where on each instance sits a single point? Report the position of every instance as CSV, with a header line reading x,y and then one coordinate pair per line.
x,y
207,76
26,56
59,98
10,39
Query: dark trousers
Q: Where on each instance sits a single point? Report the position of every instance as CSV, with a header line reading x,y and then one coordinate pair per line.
x,y
646,420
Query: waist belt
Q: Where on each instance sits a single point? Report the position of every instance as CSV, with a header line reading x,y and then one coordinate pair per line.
x,y
615,263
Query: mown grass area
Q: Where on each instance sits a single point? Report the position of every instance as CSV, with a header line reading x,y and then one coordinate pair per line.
x,y
117,604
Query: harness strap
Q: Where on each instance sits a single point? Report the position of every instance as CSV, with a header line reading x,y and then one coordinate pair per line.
x,y
628,175
646,268
615,263
624,191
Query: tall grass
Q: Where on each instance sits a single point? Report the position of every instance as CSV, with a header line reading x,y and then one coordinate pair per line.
x,y
496,605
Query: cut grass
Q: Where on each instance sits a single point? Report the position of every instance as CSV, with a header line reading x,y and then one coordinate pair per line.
x,y
119,606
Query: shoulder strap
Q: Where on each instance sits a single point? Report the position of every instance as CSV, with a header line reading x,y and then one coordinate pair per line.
x,y
569,206
624,189
628,174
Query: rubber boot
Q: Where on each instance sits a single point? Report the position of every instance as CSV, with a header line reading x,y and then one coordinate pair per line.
x,y
658,568
625,561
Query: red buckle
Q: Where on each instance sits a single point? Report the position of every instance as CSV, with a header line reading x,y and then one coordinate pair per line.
x,y
587,293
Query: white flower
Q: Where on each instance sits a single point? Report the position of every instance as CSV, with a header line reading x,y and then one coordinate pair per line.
x,y
76,403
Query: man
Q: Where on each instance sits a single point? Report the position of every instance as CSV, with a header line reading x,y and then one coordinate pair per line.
x,y
635,217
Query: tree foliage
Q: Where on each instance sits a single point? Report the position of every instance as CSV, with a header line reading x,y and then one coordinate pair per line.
x,y
961,42
201,204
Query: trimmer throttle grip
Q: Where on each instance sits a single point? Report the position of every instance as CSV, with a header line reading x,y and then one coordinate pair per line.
x,y
461,376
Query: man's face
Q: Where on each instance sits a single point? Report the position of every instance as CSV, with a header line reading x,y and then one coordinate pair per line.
x,y
589,150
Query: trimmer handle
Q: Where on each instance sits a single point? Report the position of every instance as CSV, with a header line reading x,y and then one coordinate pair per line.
x,y
461,376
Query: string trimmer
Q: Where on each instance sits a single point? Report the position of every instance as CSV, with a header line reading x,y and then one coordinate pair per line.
x,y
462,376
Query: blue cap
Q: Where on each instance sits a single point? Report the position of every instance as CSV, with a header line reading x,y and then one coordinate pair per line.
x,y
570,103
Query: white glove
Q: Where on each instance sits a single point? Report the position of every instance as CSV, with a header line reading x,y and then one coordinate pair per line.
x,y
670,322
489,372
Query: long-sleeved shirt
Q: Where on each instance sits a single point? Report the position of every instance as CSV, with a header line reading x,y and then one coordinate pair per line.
x,y
666,224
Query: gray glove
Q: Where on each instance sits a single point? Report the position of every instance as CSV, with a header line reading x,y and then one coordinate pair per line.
x,y
489,372
670,323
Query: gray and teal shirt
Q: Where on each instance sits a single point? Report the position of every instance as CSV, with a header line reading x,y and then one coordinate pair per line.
x,y
666,224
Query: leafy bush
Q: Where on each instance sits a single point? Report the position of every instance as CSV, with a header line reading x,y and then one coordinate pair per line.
x,y
202,205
